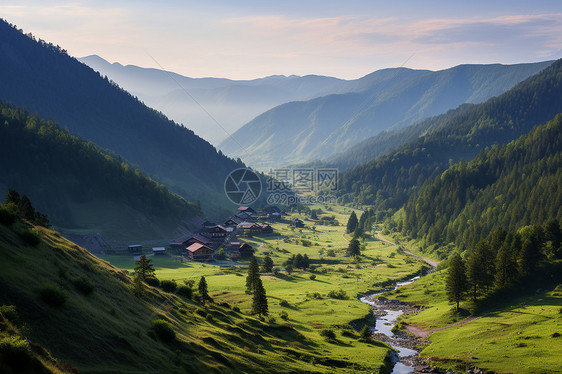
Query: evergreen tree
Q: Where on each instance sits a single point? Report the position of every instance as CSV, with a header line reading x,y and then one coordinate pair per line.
x,y
253,275
267,265
313,214
362,221
144,268
12,197
476,268
26,209
305,261
259,300
527,257
456,280
553,234
298,261
354,248
352,222
365,334
202,289
506,267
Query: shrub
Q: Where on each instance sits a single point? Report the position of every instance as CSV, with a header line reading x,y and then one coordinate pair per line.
x,y
284,304
31,237
341,294
185,291
15,352
365,334
236,309
168,285
9,312
152,281
284,315
84,285
312,277
163,331
329,334
53,295
7,218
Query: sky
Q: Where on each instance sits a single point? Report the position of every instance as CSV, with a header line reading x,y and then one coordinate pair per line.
x,y
251,39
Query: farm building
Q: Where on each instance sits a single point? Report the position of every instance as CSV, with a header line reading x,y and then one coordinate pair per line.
x,y
135,249
199,252
158,251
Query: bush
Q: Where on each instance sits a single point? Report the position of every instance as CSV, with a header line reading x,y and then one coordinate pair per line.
x,y
31,237
7,218
163,331
236,309
284,315
329,334
284,304
53,295
15,352
185,291
84,285
341,294
312,277
152,281
9,312
168,285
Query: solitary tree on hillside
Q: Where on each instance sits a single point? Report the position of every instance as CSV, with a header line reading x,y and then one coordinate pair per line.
x,y
456,280
26,209
202,289
267,266
12,197
259,300
144,268
352,222
253,275
354,248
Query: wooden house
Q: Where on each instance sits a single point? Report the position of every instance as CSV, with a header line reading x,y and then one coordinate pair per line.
x,y
218,232
249,228
199,252
135,249
158,251
239,250
201,239
233,221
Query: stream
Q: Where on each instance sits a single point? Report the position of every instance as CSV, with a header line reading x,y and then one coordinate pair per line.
x,y
385,321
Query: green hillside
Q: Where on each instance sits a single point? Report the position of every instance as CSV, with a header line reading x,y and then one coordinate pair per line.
x,y
81,187
513,185
92,316
389,181
44,79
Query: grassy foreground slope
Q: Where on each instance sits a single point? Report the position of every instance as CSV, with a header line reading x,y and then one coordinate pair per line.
x,y
107,331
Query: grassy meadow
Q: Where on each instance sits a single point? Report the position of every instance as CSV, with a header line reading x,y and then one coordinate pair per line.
x,y
305,300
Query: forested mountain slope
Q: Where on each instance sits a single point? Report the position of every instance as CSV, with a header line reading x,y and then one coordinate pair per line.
x,y
512,185
79,186
390,180
45,80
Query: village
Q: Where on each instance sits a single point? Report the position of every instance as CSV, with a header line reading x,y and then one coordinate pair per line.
x,y
221,241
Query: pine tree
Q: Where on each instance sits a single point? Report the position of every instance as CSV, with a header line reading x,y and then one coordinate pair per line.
x,y
267,266
253,275
352,222
259,300
144,268
506,267
354,248
12,197
26,209
202,289
476,270
456,280
365,334
298,261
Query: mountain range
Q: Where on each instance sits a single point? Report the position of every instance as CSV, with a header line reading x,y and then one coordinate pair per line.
x,y
390,180
207,104
388,99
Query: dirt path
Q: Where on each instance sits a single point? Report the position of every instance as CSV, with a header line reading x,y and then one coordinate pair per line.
x,y
428,261
419,331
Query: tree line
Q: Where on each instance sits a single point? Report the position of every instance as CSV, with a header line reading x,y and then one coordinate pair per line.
x,y
502,259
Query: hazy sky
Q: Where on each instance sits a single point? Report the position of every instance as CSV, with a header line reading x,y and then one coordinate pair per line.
x,y
250,39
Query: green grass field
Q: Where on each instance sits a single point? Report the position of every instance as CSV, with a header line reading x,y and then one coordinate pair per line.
x,y
309,310
517,338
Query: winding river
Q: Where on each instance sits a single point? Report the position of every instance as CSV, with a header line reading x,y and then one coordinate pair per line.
x,y
384,325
